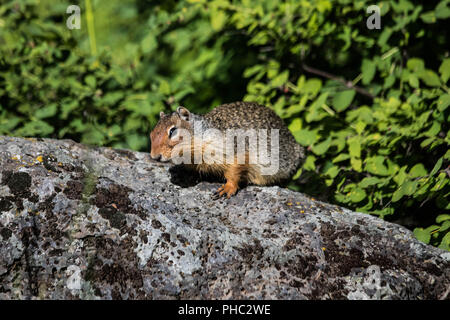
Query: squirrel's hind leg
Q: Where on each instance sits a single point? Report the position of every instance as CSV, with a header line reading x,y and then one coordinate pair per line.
x,y
233,175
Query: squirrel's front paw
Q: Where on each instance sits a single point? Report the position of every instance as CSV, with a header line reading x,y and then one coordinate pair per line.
x,y
229,189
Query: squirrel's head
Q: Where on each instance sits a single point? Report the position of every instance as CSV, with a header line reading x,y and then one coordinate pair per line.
x,y
166,134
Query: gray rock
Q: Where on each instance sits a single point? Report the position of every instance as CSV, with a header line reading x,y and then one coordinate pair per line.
x,y
96,223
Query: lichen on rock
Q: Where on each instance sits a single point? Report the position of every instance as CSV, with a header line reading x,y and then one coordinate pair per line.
x,y
78,222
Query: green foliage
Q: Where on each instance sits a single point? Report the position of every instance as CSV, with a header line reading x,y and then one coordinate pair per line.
x,y
51,86
48,88
433,234
381,150
370,106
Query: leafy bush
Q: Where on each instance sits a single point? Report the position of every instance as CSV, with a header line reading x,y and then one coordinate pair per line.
x,y
48,88
371,106
381,149
51,85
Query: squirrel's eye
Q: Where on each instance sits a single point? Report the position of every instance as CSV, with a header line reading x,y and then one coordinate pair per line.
x,y
171,131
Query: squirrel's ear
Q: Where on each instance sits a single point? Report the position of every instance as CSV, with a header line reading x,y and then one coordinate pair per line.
x,y
161,114
184,113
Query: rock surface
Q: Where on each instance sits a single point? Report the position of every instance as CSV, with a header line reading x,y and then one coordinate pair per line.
x,y
97,223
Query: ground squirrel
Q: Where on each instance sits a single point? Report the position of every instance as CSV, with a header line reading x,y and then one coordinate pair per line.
x,y
203,140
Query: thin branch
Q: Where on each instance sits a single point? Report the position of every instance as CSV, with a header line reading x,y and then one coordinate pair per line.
x,y
330,76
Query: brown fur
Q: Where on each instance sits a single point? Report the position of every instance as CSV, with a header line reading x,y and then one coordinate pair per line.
x,y
242,115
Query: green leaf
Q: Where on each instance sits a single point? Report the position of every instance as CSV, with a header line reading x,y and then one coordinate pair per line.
x,y
322,147
406,189
418,171
111,98
428,17
136,141
341,157
149,43
280,79
442,11
434,130
312,86
427,141
368,69
7,125
356,164
182,93
354,146
316,112
253,70
46,112
332,172
436,167
92,136
415,64
369,181
389,81
297,174
218,19
90,81
409,187
343,99
429,77
442,217
443,102
444,70
305,137
295,125
445,243
35,128
310,163
422,235
447,155
445,226
360,126
67,107
357,195
397,195
384,37
375,165
413,80
164,88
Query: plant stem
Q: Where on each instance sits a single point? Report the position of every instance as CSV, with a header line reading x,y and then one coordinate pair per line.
x,y
330,76
91,28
